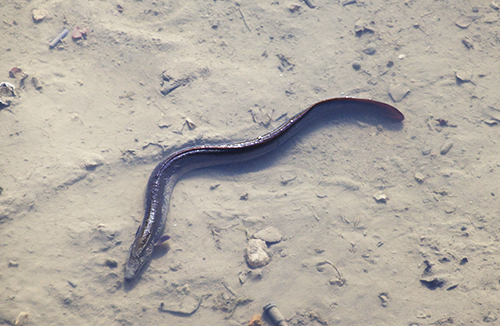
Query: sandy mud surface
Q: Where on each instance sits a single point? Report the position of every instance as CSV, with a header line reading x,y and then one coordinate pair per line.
x,y
379,224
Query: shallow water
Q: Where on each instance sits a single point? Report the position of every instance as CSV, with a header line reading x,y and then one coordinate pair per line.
x,y
78,153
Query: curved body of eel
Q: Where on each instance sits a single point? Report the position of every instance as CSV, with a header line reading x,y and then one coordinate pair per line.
x,y
167,173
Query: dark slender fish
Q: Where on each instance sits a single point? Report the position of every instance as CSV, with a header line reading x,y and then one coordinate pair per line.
x,y
167,173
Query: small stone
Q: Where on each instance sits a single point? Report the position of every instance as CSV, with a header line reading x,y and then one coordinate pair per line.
x,y
419,177
36,82
463,76
175,267
215,24
490,318
256,255
467,43
464,21
356,65
294,7
370,50
79,33
243,277
270,234
111,263
446,148
38,15
255,321
361,27
494,6
22,318
91,161
433,284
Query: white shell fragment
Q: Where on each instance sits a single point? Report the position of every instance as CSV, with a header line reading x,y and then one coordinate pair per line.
x,y
380,197
256,255
22,318
270,234
191,125
463,76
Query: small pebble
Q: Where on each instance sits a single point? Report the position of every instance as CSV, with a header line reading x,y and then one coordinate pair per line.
x,y
463,76
294,7
361,27
270,234
256,255
36,82
79,33
356,65
111,263
22,319
419,177
446,148
370,50
255,321
38,15
463,21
